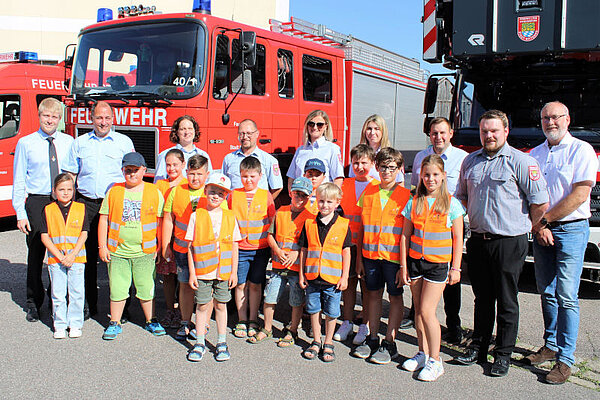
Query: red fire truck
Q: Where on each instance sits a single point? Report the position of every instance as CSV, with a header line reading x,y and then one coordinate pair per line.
x,y
24,83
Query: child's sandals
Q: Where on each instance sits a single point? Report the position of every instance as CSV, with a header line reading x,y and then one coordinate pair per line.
x,y
289,338
312,351
253,328
241,330
256,339
328,354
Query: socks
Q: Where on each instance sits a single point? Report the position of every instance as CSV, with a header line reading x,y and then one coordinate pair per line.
x,y
222,338
201,339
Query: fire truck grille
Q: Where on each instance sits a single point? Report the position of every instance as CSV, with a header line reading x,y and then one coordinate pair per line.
x,y
595,206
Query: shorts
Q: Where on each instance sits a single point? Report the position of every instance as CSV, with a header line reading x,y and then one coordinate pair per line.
x,y
323,297
276,286
252,265
379,273
212,289
352,262
431,272
122,270
183,270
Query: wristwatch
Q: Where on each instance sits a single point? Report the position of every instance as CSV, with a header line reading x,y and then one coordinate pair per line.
x,y
543,222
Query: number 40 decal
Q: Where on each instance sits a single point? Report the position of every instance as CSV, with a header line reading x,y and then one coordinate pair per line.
x,y
182,81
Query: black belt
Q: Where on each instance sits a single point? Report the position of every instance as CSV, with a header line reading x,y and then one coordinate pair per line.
x,y
38,195
89,199
488,236
555,224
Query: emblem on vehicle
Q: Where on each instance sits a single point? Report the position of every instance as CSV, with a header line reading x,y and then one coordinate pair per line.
x,y
528,28
476,39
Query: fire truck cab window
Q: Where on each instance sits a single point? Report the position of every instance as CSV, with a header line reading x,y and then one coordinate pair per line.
x,y
220,86
285,74
316,79
10,115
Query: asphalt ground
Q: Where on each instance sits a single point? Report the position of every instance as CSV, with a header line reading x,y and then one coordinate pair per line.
x,y
138,365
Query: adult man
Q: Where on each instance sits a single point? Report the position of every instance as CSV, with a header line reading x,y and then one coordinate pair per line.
x,y
271,176
440,134
96,160
38,158
569,165
503,191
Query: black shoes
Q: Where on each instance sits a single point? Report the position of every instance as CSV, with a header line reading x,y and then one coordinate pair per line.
x,y
500,367
454,336
32,315
469,357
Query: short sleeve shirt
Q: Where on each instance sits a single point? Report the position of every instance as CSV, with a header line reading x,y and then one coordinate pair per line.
x,y
323,149
456,210
161,164
271,175
65,213
453,158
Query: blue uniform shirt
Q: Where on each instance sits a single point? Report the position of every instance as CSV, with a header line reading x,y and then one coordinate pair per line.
x,y
322,149
271,175
31,169
161,164
97,162
453,158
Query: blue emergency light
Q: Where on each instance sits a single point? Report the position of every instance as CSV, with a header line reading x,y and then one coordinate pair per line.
x,y
202,6
28,56
104,14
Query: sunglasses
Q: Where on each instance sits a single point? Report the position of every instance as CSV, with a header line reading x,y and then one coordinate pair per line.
x,y
312,124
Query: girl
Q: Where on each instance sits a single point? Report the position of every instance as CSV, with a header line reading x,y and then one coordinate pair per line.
x,y
174,160
432,238
64,231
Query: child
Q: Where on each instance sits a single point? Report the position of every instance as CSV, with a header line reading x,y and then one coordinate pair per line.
x,y
325,262
64,231
382,223
128,241
363,157
180,205
283,237
214,236
314,169
174,160
254,210
432,211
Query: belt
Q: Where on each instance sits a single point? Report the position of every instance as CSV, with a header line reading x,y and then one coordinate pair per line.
x,y
488,236
555,224
37,195
89,199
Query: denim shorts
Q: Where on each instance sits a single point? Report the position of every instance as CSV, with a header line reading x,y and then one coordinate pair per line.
x,y
379,273
252,265
276,286
183,270
324,297
431,272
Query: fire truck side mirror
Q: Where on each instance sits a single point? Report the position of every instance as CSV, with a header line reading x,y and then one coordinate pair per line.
x,y
430,95
248,40
69,58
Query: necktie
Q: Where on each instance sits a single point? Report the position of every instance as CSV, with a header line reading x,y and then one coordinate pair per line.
x,y
53,160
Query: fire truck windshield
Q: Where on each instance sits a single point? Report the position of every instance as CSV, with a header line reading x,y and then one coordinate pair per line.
x,y
153,61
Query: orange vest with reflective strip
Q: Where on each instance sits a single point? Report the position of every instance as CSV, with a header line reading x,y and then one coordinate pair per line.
x,y
287,233
383,228
253,220
164,185
204,246
148,218
312,207
64,234
325,260
182,210
351,210
431,238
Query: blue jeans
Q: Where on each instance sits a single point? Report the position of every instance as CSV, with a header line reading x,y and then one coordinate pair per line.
x,y
61,280
322,296
557,273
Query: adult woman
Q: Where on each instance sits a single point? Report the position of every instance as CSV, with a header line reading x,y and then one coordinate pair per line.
x,y
317,144
184,132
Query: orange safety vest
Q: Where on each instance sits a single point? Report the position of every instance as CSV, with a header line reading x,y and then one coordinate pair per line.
x,y
204,247
351,210
164,185
182,210
325,260
383,228
149,216
312,207
64,234
431,238
253,221
287,233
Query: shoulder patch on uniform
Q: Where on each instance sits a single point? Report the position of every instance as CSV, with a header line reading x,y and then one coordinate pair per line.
x,y
534,172
276,169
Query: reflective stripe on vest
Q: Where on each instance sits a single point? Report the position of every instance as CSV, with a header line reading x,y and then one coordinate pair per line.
x,y
64,234
351,210
325,260
204,248
431,238
181,211
287,232
253,220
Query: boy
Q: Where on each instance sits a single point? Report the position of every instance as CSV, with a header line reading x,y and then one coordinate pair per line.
x,y
314,170
254,209
214,236
380,235
325,262
363,157
180,205
130,219
283,236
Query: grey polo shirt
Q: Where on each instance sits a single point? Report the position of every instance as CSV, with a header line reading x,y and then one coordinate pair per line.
x,y
498,190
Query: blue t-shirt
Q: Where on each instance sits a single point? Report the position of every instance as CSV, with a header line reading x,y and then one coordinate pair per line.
x,y
456,210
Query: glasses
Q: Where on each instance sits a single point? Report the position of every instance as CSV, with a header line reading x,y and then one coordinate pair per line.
x,y
242,134
319,125
390,168
553,117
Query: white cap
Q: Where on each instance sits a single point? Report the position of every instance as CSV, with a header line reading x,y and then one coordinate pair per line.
x,y
220,180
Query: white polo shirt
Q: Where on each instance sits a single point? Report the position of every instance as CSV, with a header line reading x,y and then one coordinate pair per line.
x,y
569,162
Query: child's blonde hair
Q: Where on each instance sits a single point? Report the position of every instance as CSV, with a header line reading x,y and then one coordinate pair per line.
x,y
442,196
329,190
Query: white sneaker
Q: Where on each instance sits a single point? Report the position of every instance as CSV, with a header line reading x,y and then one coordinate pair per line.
x,y
74,332
361,335
433,370
343,331
415,363
60,334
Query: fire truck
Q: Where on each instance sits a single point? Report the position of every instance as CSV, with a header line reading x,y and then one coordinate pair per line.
x,y
154,68
516,55
24,82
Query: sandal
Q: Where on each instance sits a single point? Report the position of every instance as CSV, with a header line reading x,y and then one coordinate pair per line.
x,y
241,330
289,338
196,353
253,328
255,339
328,356
312,351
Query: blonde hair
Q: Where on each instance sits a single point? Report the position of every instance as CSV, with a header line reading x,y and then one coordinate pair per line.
x,y
328,134
52,105
442,196
378,119
329,190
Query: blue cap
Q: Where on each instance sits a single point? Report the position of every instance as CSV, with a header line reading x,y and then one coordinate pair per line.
x,y
315,163
133,158
302,184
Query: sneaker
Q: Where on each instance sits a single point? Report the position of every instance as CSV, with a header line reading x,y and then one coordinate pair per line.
x,y
183,331
361,335
415,363
343,331
433,370
155,327
368,347
386,352
196,353
111,332
60,334
222,352
407,323
175,321
74,333
542,355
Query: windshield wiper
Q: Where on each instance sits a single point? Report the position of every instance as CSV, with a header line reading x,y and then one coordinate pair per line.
x,y
151,98
96,96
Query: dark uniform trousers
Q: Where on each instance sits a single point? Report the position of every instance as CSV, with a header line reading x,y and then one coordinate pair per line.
x,y
92,207
494,267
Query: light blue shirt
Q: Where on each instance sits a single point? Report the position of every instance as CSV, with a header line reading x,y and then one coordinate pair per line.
x,y
97,162
161,164
453,158
322,149
271,175
31,169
